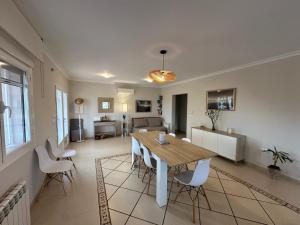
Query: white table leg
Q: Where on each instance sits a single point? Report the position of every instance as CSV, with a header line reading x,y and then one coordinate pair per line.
x,y
161,181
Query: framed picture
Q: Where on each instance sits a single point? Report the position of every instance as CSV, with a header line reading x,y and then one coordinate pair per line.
x,y
105,105
143,105
221,99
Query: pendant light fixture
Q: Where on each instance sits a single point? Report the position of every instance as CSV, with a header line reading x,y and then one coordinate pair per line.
x,y
162,76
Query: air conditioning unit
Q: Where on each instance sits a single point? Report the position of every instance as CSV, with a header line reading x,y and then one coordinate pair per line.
x,y
125,92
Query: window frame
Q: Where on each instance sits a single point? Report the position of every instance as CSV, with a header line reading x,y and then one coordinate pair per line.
x,y
21,149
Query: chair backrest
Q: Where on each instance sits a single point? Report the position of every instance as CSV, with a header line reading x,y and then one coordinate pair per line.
x,y
143,130
44,159
56,152
201,173
172,134
147,156
135,146
186,139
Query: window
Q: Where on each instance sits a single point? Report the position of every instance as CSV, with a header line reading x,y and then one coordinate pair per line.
x,y
62,115
14,107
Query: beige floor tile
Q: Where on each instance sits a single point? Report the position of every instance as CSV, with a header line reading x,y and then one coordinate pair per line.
x,y
110,189
111,164
117,218
185,198
246,222
180,214
124,167
213,173
91,218
135,221
106,172
121,158
248,209
281,214
208,217
148,209
222,176
116,178
235,188
124,200
134,183
262,197
218,202
213,184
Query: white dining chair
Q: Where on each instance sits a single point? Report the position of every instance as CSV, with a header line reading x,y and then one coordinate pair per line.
x,y
54,170
59,153
172,134
138,154
192,181
150,163
187,140
143,130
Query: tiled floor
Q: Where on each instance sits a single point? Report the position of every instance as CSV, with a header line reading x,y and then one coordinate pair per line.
x,y
80,205
231,202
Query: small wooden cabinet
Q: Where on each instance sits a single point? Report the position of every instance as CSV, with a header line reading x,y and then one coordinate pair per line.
x,y
105,128
228,145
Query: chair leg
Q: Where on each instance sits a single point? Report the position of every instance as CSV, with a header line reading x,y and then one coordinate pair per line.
x,y
62,182
178,194
42,187
71,173
67,175
73,163
193,210
134,161
150,176
139,168
146,171
204,194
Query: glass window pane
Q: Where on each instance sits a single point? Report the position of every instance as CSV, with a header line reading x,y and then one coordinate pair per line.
x,y
14,123
65,104
59,111
11,73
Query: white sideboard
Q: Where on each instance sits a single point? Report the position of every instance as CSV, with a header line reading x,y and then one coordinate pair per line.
x,y
228,145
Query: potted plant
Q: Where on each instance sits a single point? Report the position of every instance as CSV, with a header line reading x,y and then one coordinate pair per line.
x,y
281,156
213,115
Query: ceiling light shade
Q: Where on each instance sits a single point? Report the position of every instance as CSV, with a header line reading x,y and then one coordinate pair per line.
x,y
162,76
105,74
148,79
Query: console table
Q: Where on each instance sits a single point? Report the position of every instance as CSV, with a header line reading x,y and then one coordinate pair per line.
x,y
228,145
105,128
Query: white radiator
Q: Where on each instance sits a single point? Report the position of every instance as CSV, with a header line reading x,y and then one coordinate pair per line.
x,y
15,206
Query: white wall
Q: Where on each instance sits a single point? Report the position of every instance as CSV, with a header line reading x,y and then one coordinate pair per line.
x,y
44,124
90,93
267,108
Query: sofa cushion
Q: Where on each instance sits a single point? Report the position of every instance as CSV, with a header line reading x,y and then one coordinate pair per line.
x,y
154,121
140,122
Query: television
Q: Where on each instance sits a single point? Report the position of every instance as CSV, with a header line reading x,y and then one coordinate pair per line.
x,y
223,99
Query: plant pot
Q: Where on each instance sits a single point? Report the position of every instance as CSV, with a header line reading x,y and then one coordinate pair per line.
x,y
274,171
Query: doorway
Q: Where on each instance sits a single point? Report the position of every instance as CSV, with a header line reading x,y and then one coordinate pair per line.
x,y
179,114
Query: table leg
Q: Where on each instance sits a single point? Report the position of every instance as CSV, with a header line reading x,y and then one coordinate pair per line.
x,y
161,181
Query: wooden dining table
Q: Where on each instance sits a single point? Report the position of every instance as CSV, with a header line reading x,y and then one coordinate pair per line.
x,y
177,152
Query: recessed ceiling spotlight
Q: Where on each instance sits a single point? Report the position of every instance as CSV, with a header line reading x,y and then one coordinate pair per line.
x,y
2,64
148,79
106,74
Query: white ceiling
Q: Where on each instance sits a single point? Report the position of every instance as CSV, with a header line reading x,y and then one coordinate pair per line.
x,y
124,37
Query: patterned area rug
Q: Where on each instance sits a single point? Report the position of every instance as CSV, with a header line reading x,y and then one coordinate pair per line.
x,y
233,200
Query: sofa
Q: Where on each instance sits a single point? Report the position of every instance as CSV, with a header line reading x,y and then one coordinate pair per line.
x,y
149,123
